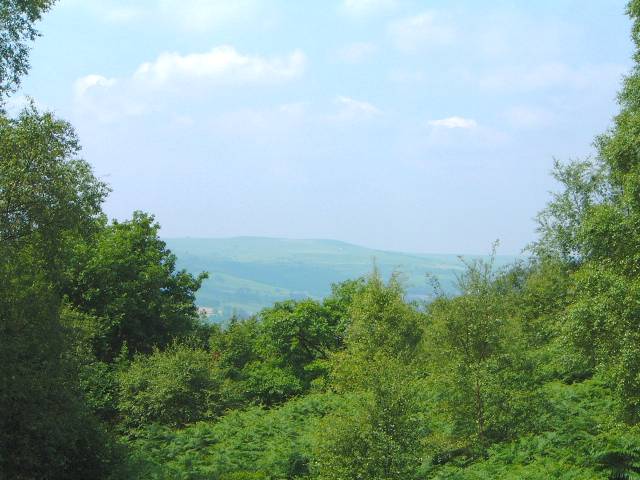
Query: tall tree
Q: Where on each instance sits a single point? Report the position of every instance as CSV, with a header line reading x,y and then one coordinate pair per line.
x,y
377,434
604,320
126,279
45,189
47,196
17,31
477,358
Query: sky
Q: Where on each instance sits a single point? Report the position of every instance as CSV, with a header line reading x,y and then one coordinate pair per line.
x,y
424,126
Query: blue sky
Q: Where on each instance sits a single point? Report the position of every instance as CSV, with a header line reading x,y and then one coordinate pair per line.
x,y
426,126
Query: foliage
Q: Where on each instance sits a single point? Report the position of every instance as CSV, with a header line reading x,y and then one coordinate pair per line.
x,y
298,333
235,346
530,372
284,350
125,279
560,222
580,440
266,383
253,444
596,221
17,19
382,321
377,434
46,197
46,192
45,430
476,352
173,387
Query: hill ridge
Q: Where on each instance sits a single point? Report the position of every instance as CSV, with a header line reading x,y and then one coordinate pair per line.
x,y
248,273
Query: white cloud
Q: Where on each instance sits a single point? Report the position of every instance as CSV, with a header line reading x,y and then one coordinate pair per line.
x,y
367,7
184,121
85,83
107,99
421,31
461,138
172,76
356,52
454,122
222,65
351,109
294,109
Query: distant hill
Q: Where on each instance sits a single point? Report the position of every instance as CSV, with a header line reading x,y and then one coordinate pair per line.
x,y
247,274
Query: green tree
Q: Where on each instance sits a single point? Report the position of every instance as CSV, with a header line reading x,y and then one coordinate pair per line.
x,y
268,383
377,434
480,372
339,303
173,387
125,278
584,185
297,333
234,346
602,215
17,19
253,372
47,197
45,190
381,321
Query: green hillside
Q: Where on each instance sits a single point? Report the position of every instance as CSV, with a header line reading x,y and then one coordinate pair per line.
x,y
247,274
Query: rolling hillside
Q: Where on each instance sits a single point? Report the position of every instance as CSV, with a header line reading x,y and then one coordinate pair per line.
x,y
247,274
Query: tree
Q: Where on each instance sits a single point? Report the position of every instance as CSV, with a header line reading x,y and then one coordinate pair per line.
x,y
382,326
266,382
17,19
381,321
125,278
45,190
234,346
175,387
584,185
603,322
479,369
377,434
339,303
47,197
297,333
44,427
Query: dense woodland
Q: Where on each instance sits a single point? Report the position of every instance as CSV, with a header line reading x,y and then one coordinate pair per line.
x,y
107,371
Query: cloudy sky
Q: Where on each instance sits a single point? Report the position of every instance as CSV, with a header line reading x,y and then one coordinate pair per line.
x,y
426,126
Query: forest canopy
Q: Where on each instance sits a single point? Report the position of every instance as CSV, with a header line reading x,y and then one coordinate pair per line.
x,y
107,370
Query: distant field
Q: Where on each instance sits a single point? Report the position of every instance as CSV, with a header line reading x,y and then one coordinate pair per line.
x,y
247,274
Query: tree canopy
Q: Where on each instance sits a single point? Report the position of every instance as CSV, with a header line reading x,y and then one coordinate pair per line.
x,y
17,31
107,371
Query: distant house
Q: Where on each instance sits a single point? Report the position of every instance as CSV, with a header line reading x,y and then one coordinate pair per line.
x,y
207,311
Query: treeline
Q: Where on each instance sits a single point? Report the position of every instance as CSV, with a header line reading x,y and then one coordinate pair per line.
x,y
107,371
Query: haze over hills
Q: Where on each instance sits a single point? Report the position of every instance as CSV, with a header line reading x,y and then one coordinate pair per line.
x,y
247,274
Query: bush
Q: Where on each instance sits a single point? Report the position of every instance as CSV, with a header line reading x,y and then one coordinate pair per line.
x,y
173,387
